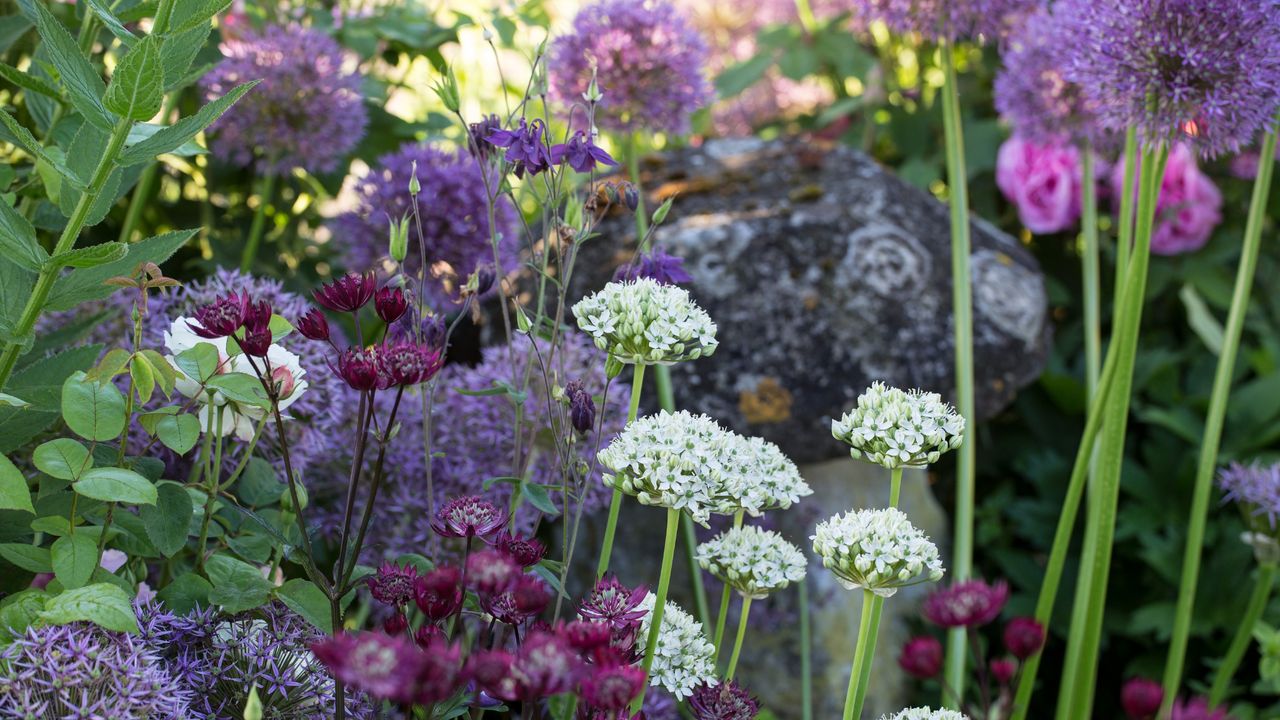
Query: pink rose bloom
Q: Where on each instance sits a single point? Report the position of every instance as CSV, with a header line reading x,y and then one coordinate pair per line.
x,y
1189,208
1042,181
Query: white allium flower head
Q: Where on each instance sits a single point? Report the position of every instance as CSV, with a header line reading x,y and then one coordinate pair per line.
x,y
689,462
879,550
237,418
752,561
683,658
896,428
924,713
645,322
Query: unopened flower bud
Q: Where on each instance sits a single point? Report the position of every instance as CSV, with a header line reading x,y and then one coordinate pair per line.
x,y
286,501
612,367
483,278
313,325
1002,669
414,186
390,304
582,408
921,657
399,238
631,197
396,624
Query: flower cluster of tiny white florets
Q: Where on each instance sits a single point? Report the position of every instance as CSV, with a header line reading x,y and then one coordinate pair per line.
x,y
689,462
645,322
924,713
895,428
879,550
752,561
683,658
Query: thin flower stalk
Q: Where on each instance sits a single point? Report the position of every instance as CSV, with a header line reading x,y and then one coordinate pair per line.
x,y
1244,634
615,504
1214,420
806,652
266,190
664,586
737,642
864,652
725,595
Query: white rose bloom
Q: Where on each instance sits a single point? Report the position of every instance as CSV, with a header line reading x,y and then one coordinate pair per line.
x,y
879,550
645,322
924,713
895,428
752,561
683,658
237,418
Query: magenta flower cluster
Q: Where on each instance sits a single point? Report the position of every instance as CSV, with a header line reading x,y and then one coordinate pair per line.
x,y
648,61
306,113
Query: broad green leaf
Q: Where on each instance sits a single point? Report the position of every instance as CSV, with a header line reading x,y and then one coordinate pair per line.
x,y
103,604
143,378
177,52
88,284
37,149
74,558
537,496
181,132
736,78
31,558
190,15
63,458
304,598
112,484
169,519
13,401
55,525
237,585
14,493
185,593
259,485
199,361
19,611
83,84
91,256
137,85
18,239
113,24
111,365
142,131
93,410
165,374
179,433
242,388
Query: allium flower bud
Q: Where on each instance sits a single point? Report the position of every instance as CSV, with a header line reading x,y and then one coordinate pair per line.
x,y
970,603
313,325
439,592
723,701
390,304
894,428
684,658
415,187
1023,637
358,367
582,408
221,318
468,516
393,584
752,561
879,550
348,293
1003,669
647,323
921,657
1141,698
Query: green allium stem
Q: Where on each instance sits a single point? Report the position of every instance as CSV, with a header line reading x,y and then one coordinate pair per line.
x,y
633,171
863,654
1090,273
615,504
806,652
737,642
66,241
962,302
725,594
1244,634
895,486
660,600
1124,238
1209,444
266,190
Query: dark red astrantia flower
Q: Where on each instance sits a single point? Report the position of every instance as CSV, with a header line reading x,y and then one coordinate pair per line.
x,y
390,304
726,701
222,317
525,551
1023,637
970,603
313,325
468,516
1141,698
358,367
921,657
348,293
439,592
393,584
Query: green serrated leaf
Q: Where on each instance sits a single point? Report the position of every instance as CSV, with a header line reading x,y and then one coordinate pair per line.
x,y
181,132
177,52
137,86
113,484
93,410
29,82
103,604
200,13
37,150
63,458
237,585
88,257
113,24
18,239
168,521
142,131
74,558
83,84
14,493
87,284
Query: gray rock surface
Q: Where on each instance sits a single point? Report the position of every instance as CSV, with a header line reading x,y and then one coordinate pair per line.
x,y
824,272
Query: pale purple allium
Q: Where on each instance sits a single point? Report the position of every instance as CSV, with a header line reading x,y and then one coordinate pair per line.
x,y
650,65
1189,207
1255,487
306,113
724,701
82,671
969,603
989,20
453,208
1205,71
1031,91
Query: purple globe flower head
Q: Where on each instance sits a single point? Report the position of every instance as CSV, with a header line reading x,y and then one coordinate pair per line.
x,y
1023,637
1256,488
1031,89
1189,207
725,701
453,209
658,265
306,113
610,688
970,603
393,584
659,705
1205,71
80,670
954,20
468,517
527,552
581,153
1141,698
648,60
1196,709
348,293
527,149
439,593
921,657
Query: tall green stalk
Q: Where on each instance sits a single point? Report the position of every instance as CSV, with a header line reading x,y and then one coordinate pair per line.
x,y
660,600
615,504
1090,272
266,189
864,652
1095,564
1244,634
806,652
725,595
962,308
737,641
66,241
1209,444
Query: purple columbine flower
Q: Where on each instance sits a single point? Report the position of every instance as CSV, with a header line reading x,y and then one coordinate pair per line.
x,y
478,137
582,408
1023,637
306,113
393,584
439,593
581,153
390,304
527,552
1206,71
648,60
726,701
657,265
970,603
468,517
921,657
348,293
527,150
222,317
313,325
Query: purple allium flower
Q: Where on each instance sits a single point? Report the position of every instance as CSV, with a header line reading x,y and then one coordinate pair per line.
x,y
1043,180
439,592
527,552
393,668
348,293
527,149
1141,698
1031,91
952,19
544,665
1206,70
969,603
726,701
657,265
393,584
80,670
1023,637
921,657
306,113
1255,487
453,208
582,153
1189,207
649,63
468,517
610,688
1196,709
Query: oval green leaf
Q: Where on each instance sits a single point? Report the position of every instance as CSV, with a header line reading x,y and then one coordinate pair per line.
x,y
93,410
101,603
74,558
112,484
64,459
